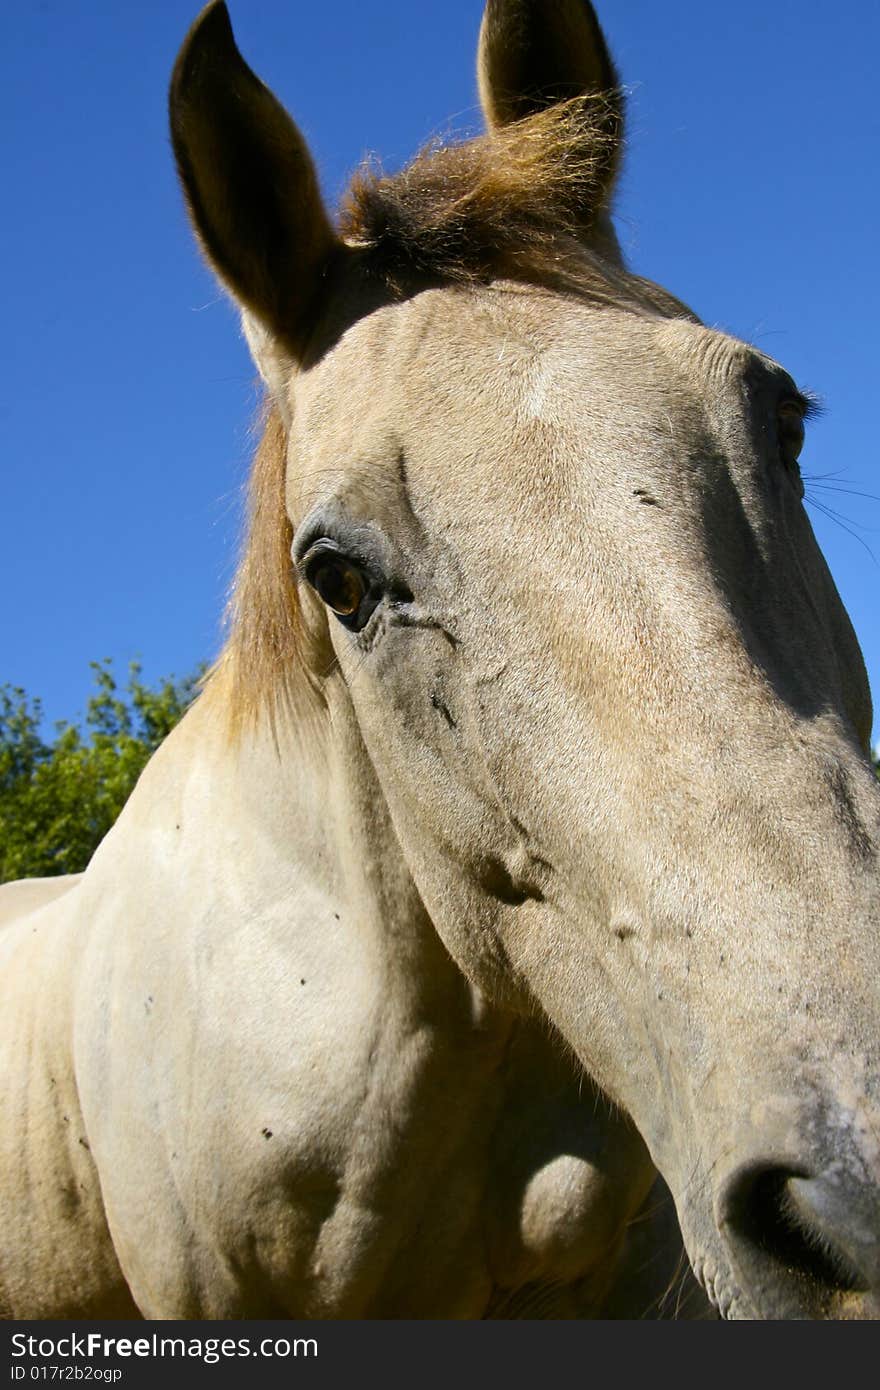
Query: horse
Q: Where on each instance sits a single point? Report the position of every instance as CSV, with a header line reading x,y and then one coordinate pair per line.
x,y
518,863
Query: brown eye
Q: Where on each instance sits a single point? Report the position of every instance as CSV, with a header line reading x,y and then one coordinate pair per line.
x,y
340,584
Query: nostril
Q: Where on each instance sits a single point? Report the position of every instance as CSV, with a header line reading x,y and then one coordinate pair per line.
x,y
772,1217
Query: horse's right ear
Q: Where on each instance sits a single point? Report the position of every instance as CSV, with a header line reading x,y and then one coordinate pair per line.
x,y
249,182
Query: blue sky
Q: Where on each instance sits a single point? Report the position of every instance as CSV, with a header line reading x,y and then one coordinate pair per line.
x,y
749,190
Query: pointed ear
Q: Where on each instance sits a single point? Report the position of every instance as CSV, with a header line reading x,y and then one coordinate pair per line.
x,y
249,183
535,53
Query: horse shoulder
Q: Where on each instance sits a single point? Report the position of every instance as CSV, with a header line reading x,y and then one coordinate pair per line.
x,y
212,1049
26,895
56,1255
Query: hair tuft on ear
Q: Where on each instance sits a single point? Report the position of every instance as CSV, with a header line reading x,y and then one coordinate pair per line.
x,y
534,54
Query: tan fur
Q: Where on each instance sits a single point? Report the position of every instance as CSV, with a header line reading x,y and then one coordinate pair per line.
x,y
503,206
547,864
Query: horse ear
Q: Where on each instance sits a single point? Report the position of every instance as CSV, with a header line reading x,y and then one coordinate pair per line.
x,y
249,183
535,53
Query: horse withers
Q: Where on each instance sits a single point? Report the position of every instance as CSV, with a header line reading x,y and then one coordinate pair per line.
x,y
524,842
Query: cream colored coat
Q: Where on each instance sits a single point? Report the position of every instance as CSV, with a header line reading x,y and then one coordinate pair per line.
x,y
573,804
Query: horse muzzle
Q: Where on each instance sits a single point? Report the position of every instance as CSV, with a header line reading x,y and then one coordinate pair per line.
x,y
801,1241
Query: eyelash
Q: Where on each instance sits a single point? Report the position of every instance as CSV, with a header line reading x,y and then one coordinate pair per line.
x,y
811,404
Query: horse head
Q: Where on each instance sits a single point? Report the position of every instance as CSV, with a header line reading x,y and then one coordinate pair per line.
x,y
531,538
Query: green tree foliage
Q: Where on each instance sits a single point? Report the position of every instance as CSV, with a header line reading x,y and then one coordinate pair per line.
x,y
59,799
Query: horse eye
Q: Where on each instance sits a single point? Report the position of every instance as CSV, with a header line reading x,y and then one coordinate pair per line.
x,y
790,417
339,583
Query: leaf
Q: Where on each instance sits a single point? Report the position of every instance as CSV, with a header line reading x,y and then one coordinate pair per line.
x,y
59,799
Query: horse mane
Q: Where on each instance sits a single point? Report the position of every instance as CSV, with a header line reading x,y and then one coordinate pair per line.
x,y
260,669
524,202
521,203
514,203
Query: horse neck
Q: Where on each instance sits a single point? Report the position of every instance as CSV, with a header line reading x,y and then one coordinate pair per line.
x,y
304,802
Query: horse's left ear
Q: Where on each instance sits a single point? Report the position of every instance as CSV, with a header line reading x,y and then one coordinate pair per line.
x,y
535,53
251,187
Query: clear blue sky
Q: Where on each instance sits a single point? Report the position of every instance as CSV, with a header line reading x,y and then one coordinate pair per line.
x,y
750,190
